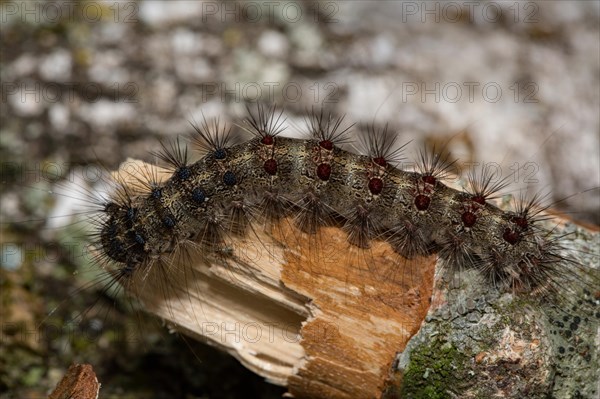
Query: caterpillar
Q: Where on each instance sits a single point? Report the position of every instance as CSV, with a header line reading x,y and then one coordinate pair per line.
x,y
240,186
270,177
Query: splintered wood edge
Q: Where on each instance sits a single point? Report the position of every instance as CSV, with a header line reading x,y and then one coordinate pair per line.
x,y
309,312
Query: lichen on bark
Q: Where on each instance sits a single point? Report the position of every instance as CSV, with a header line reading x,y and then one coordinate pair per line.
x,y
479,343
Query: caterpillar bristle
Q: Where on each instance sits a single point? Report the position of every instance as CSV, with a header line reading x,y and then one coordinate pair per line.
x,y
141,182
542,277
554,274
121,195
457,252
486,184
312,213
266,122
174,154
239,216
381,145
528,210
326,129
211,138
212,229
115,279
272,207
434,166
174,276
360,227
408,239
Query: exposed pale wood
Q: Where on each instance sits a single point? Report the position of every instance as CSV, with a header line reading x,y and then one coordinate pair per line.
x,y
365,305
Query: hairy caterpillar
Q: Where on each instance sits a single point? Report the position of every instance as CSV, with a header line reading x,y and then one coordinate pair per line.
x,y
270,177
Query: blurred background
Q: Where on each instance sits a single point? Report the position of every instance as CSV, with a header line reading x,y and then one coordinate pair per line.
x,y
96,82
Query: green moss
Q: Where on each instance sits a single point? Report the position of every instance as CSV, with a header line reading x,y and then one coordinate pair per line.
x,y
435,369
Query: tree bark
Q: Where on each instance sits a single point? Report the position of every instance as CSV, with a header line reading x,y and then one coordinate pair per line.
x,y
79,382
